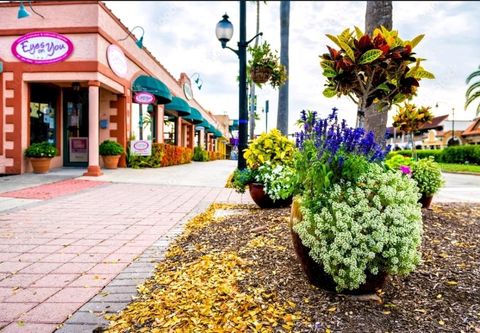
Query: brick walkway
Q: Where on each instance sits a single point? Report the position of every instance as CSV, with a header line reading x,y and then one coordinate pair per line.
x,y
58,254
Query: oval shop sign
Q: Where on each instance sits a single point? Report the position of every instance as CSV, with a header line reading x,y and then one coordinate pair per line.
x,y
117,60
42,48
144,98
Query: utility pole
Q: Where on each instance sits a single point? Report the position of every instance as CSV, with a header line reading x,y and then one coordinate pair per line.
x,y
266,116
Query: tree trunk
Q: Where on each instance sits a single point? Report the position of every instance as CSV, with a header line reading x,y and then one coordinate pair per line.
x,y
251,116
378,13
282,115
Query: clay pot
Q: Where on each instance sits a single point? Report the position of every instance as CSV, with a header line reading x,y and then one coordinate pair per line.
x,y
314,271
426,200
110,161
260,74
263,200
40,164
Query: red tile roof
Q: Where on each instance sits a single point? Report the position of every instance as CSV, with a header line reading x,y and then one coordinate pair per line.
x,y
436,122
473,128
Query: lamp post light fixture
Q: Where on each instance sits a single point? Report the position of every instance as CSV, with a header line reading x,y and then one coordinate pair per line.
x,y
138,42
224,32
454,139
22,12
198,81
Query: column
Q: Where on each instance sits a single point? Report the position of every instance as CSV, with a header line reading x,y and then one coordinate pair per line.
x,y
122,133
201,139
93,124
191,131
178,132
160,123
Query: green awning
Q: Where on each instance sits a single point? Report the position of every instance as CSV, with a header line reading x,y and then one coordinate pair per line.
x,y
153,86
217,133
208,128
234,125
195,116
180,105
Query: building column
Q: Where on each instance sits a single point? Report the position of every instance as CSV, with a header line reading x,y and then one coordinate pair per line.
x,y
178,132
160,123
122,133
93,131
191,131
201,139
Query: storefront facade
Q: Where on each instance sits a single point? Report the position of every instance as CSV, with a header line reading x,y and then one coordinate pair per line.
x,y
71,80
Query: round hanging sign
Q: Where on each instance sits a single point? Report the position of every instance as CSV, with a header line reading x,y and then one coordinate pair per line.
x,y
42,48
187,90
144,98
117,60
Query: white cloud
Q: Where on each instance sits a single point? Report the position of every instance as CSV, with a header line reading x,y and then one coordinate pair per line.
x,y
181,35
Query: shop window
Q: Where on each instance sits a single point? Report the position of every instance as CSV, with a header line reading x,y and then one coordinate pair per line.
x,y
169,130
43,113
143,122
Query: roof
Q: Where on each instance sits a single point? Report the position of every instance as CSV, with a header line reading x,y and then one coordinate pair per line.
x,y
473,128
436,122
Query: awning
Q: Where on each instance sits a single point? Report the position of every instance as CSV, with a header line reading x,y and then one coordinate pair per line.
x,y
208,128
234,125
217,133
195,116
153,86
180,105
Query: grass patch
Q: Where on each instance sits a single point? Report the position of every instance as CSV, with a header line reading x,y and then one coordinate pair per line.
x,y
451,167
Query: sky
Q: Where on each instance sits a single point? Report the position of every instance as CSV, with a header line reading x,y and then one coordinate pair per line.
x,y
181,35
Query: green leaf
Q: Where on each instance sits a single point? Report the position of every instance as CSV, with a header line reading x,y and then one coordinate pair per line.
x,y
358,32
398,42
423,74
383,87
327,64
334,39
416,40
369,56
329,92
347,50
329,72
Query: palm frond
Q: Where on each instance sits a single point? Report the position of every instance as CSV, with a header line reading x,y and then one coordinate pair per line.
x,y
472,88
471,99
471,76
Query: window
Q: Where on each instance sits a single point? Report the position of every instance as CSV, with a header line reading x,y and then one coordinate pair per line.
x,y
142,122
43,113
169,130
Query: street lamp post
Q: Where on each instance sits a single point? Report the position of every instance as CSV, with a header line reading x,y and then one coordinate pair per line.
x,y
224,32
454,139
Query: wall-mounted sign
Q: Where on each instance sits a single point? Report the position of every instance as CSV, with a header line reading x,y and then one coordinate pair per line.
x,y
187,90
144,98
42,48
141,147
78,148
117,61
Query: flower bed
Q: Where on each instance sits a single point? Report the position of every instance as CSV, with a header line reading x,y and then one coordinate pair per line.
x,y
162,155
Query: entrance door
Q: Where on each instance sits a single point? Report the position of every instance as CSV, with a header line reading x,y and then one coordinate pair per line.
x,y
75,127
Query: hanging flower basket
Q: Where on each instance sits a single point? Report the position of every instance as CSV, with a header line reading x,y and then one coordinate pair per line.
x,y
260,74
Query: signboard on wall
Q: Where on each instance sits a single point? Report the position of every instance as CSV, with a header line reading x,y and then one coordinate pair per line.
x,y
144,98
42,48
187,90
117,60
141,147
78,147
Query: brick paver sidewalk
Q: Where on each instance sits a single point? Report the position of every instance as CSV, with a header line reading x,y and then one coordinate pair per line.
x,y
60,253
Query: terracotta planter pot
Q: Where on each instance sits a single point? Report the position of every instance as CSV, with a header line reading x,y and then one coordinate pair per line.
x,y
40,164
263,200
426,200
314,271
111,161
260,74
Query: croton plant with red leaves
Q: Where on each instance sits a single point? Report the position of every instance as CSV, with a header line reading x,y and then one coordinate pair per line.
x,y
378,69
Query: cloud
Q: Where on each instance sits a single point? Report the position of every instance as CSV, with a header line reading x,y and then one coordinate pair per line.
x,y
181,34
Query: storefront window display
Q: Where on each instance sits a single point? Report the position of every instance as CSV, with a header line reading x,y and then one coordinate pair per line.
x,y
43,115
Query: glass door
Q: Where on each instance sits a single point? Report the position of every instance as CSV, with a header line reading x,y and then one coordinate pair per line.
x,y
75,124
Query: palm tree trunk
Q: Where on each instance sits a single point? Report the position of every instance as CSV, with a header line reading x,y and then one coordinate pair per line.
x,y
378,13
282,115
251,116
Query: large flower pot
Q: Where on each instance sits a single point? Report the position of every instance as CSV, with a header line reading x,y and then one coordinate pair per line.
x,y
314,271
426,200
40,164
260,74
111,161
263,200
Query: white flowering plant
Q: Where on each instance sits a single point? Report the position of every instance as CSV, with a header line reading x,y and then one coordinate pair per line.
x,y
278,180
371,226
359,218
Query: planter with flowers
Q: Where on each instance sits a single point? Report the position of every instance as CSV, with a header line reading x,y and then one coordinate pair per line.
x,y
40,155
265,66
269,174
353,222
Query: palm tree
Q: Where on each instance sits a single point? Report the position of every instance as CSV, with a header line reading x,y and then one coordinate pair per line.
x,y
472,95
378,13
282,115
251,115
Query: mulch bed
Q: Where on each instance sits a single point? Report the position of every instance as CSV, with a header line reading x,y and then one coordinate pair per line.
x,y
443,294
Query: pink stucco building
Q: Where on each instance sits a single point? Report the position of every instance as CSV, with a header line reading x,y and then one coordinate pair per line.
x,y
73,79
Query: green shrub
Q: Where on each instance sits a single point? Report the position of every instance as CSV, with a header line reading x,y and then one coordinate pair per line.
x,y
200,155
270,147
109,147
153,161
241,178
396,161
436,153
370,226
41,149
461,154
428,175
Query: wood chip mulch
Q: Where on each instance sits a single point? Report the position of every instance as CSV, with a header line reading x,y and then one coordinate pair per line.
x,y
442,295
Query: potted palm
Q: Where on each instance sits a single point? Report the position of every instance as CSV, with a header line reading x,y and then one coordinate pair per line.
x,y
265,65
110,152
40,155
